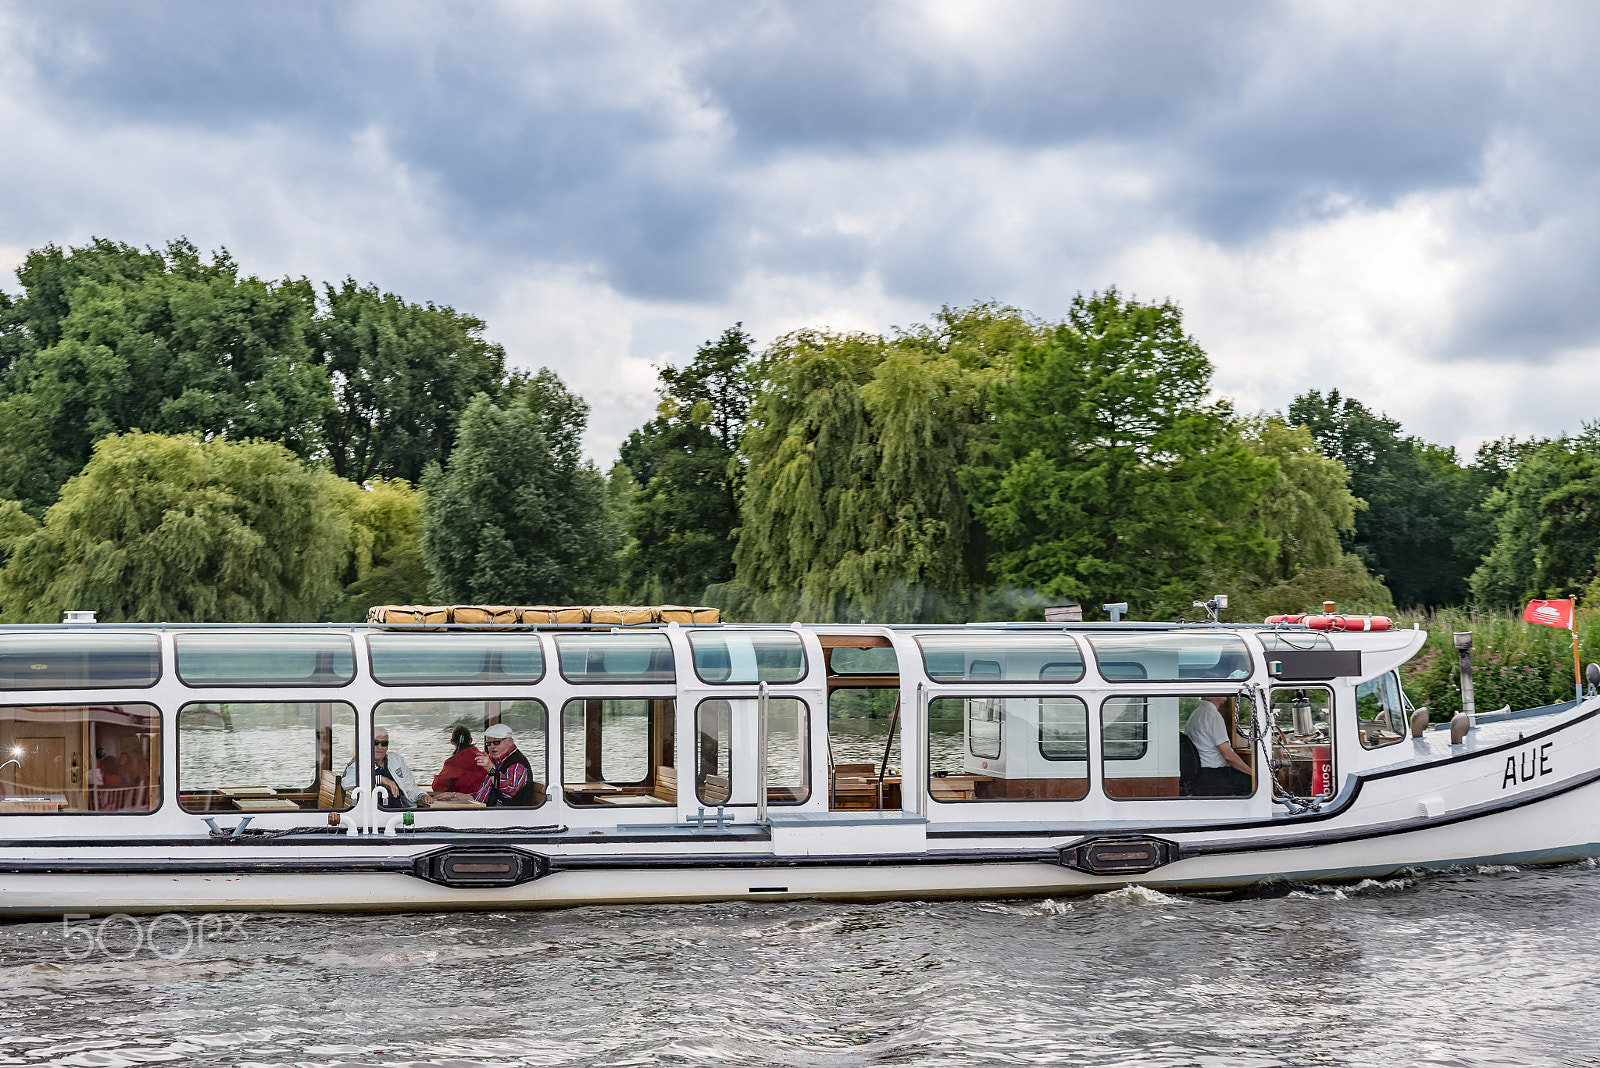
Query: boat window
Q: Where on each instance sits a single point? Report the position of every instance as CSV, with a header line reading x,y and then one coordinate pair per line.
x,y
1293,640
78,660
1007,749
1380,711
1125,728
1157,746
788,748
746,656
1302,740
1063,728
244,658
1171,656
264,756
880,660
451,659
618,751
713,776
440,742
864,747
986,718
76,758
615,657
981,658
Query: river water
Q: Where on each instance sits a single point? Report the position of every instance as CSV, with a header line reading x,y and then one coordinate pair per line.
x,y
1469,967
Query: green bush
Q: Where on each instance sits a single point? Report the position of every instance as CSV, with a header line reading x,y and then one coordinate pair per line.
x,y
1514,663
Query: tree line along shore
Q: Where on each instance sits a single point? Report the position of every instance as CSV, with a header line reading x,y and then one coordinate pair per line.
x,y
186,442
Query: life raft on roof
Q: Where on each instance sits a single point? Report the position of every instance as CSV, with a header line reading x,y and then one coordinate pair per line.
x,y
1340,622
499,615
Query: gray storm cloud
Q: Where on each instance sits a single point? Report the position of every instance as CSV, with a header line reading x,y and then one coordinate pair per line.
x,y
1348,195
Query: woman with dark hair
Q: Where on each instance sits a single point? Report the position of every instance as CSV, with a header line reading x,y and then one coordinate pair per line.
x,y
460,774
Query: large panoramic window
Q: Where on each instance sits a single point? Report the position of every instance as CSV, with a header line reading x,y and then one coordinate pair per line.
x,y
264,756
963,656
1156,746
439,742
1007,749
456,659
599,658
618,751
747,656
255,658
1170,656
76,758
78,660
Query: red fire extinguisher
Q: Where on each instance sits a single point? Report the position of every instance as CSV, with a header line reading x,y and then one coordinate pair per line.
x,y
1321,770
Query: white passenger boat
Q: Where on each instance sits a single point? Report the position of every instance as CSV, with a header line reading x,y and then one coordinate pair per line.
x,y
157,768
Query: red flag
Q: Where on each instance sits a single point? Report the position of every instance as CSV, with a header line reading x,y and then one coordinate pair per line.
x,y
1550,613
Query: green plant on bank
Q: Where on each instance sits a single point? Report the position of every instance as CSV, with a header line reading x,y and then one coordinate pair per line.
x,y
1514,663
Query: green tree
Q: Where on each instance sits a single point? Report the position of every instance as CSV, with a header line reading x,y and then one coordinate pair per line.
x,y
1114,477
1546,523
163,342
385,564
163,528
854,503
518,516
402,374
1421,531
681,522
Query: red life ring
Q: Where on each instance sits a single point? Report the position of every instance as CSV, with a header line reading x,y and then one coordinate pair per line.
x,y
1336,622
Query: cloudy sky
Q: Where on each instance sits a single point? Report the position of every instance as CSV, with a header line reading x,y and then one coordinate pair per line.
x,y
1401,201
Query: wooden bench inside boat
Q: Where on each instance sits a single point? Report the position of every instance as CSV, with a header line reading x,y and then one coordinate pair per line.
x,y
855,786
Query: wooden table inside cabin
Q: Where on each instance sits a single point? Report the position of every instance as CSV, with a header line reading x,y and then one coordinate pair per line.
x,y
436,803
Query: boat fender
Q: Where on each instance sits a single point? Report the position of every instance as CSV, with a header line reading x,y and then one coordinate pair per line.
x,y
1132,855
489,867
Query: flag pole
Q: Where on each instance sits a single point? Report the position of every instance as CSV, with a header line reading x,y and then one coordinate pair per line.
x,y
1577,675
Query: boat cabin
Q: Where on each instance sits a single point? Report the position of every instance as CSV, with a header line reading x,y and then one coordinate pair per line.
x,y
639,727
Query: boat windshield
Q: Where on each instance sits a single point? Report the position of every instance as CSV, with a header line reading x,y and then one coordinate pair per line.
x,y
1171,656
1022,657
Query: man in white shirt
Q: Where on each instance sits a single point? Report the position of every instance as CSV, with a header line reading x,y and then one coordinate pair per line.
x,y
1223,773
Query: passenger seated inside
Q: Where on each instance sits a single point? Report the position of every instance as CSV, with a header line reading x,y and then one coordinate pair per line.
x,y
389,771
508,777
460,777
1223,773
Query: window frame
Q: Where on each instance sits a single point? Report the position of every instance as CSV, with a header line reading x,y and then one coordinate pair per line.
x,y
618,680
158,757
694,660
358,736
406,699
181,637
372,662
82,633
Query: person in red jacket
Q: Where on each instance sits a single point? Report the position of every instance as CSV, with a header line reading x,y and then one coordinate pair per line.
x,y
461,773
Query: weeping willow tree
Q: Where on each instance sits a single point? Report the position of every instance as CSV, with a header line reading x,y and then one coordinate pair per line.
x,y
172,528
853,503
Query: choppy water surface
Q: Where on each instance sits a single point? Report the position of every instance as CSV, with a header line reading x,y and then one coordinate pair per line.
x,y
1464,968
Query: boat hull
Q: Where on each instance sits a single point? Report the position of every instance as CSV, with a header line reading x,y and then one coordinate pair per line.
x,y
1551,830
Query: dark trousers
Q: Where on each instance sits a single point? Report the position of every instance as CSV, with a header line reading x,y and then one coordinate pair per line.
x,y
1221,782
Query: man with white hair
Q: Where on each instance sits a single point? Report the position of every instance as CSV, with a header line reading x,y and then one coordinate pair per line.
x,y
510,777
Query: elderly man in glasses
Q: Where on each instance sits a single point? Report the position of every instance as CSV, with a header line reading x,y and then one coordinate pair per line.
x,y
390,772
509,783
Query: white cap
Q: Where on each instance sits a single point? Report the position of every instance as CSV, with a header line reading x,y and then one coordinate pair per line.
x,y
499,730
